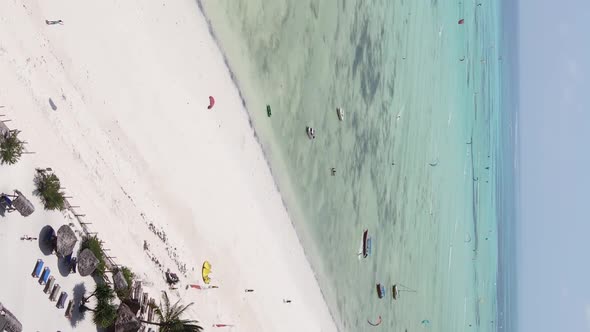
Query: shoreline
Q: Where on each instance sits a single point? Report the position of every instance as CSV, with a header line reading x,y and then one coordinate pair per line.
x,y
266,155
110,162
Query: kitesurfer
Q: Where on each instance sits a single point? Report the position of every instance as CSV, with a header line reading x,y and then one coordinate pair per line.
x,y
333,171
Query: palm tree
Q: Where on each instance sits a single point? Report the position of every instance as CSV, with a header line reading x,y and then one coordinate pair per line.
x,y
48,189
11,148
103,292
169,317
104,314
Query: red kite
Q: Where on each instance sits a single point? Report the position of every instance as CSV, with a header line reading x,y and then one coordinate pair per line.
x,y
211,103
461,21
375,324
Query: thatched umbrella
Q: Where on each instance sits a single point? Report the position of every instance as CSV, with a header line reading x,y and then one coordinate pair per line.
x,y
126,320
8,322
87,262
3,130
120,282
66,240
133,304
23,205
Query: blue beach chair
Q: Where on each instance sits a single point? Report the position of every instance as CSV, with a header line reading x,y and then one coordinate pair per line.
x,y
44,276
37,269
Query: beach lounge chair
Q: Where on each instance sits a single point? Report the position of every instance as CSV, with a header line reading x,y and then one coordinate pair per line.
x,y
69,309
54,292
62,300
49,285
37,269
44,276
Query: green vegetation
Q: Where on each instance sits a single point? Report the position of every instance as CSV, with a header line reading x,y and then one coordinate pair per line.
x,y
49,190
11,148
169,317
105,312
103,292
93,243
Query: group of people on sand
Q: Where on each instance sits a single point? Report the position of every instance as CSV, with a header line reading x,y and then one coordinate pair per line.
x,y
28,238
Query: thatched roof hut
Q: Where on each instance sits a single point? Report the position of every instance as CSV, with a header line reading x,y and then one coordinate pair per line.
x,y
8,322
133,304
87,262
66,240
3,130
119,281
126,320
22,204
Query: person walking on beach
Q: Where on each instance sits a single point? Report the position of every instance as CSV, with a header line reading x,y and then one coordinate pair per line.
x,y
54,22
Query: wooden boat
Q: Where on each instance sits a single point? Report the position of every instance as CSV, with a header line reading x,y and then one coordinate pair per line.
x,y
340,113
380,291
310,132
365,249
395,289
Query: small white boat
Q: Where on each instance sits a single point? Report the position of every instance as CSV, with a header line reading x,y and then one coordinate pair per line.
x,y
340,113
310,132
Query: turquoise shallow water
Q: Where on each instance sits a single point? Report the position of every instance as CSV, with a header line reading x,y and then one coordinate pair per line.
x,y
409,102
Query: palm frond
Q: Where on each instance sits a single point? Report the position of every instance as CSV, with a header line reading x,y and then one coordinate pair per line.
x,y
11,147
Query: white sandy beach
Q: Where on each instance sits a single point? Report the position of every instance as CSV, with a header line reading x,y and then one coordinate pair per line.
x,y
133,142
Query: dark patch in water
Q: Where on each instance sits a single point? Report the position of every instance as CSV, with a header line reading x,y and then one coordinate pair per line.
x,y
367,57
286,16
314,7
361,47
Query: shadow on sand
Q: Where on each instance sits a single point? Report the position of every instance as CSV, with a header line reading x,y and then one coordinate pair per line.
x,y
64,266
77,316
45,240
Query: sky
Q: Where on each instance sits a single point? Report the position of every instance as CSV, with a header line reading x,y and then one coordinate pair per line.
x,y
554,121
